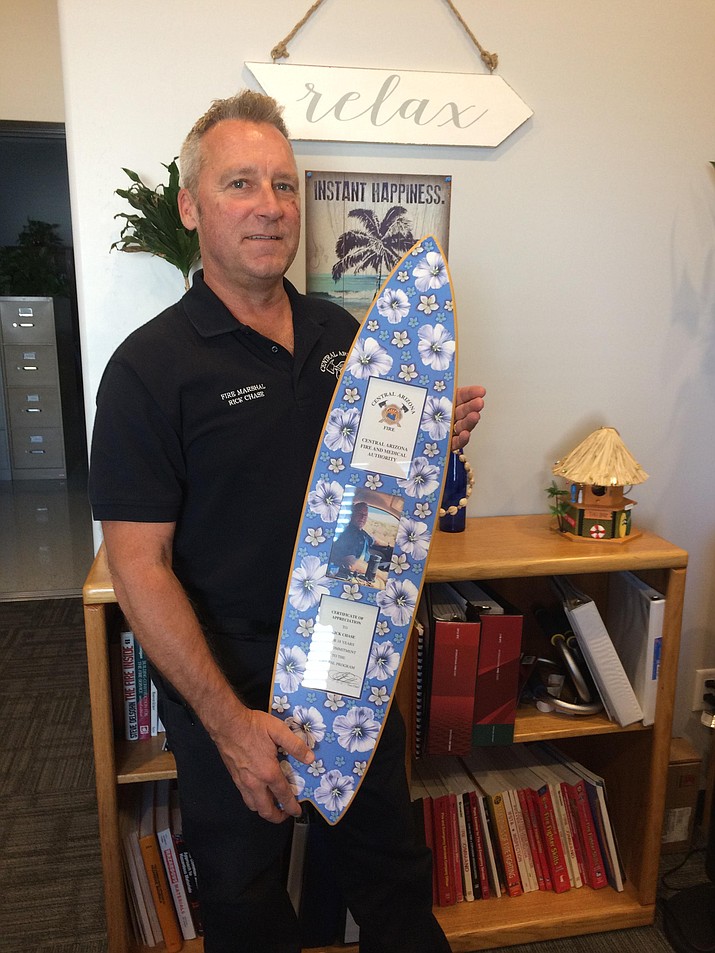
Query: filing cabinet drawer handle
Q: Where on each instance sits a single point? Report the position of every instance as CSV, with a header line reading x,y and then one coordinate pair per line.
x,y
35,451
33,410
27,367
23,324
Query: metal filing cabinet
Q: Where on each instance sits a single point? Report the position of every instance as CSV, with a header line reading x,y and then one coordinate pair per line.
x,y
33,405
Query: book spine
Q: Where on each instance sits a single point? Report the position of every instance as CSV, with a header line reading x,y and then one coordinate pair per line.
x,y
471,846
506,849
519,841
143,694
454,848
565,829
176,883
445,879
129,687
160,892
533,837
479,845
553,845
191,881
464,851
592,857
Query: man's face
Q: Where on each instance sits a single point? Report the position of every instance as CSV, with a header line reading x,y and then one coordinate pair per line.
x,y
360,516
247,206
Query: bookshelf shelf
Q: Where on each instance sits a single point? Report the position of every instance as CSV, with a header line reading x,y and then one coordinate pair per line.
x,y
518,553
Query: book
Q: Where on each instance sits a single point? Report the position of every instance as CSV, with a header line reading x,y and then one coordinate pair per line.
x,y
497,687
145,920
455,654
605,666
596,789
490,760
635,616
143,690
458,783
561,816
170,859
443,846
153,864
593,868
424,826
521,783
129,685
186,862
493,790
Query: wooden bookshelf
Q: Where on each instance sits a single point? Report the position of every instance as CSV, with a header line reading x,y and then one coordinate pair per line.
x,y
517,554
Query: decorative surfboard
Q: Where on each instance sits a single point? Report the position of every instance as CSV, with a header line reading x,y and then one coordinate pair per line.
x,y
368,519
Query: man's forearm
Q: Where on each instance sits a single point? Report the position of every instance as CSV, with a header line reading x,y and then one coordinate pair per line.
x,y
164,621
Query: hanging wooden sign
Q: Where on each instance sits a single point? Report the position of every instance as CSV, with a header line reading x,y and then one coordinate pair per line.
x,y
330,103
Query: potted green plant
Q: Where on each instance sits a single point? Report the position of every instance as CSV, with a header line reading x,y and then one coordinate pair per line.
x,y
558,506
155,226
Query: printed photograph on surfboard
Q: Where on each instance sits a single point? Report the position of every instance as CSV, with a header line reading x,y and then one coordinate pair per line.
x,y
358,225
365,536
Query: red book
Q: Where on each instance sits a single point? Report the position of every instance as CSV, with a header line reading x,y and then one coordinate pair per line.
x,y
555,856
455,654
593,867
533,834
479,845
497,689
442,853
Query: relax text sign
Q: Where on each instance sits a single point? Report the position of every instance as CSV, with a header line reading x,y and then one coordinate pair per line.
x,y
366,105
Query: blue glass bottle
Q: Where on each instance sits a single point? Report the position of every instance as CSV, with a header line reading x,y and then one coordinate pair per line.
x,y
455,489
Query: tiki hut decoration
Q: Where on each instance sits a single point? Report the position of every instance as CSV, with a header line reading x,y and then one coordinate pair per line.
x,y
597,470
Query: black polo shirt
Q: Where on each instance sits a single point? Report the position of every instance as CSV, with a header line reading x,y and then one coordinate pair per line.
x,y
204,422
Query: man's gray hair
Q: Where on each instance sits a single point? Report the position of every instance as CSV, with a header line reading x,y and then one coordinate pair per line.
x,y
247,105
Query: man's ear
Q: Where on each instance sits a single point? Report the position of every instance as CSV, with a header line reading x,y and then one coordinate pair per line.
x,y
187,209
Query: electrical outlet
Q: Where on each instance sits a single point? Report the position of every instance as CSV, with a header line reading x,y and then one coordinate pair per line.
x,y
702,675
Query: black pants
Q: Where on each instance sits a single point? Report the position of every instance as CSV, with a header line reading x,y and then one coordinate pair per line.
x,y
383,867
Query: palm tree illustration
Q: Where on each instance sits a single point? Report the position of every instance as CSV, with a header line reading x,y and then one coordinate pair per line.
x,y
373,244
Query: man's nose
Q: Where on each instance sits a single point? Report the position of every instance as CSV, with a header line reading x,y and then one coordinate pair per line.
x,y
267,203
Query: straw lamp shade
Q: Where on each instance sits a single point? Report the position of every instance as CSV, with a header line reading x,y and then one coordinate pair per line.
x,y
602,459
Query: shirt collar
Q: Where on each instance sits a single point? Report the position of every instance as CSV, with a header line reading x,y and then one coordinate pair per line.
x,y
210,316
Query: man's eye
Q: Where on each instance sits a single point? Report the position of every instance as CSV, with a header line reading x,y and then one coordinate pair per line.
x,y
238,184
285,187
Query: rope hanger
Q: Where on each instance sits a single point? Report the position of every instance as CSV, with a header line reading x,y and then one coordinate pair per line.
x,y
280,51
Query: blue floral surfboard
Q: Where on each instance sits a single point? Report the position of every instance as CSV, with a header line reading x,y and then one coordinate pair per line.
x,y
368,520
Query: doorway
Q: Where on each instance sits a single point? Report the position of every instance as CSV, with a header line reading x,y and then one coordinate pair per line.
x,y
46,544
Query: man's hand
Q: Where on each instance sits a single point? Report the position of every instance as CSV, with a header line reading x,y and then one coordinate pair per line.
x,y
249,751
469,404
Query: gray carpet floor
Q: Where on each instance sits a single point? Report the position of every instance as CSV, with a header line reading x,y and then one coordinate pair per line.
x,y
50,875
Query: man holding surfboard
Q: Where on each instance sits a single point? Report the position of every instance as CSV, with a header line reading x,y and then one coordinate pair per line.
x,y
207,422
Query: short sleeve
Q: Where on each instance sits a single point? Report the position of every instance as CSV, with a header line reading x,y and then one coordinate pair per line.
x,y
136,463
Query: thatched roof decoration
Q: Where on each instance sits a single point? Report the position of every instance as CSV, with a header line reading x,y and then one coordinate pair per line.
x,y
602,459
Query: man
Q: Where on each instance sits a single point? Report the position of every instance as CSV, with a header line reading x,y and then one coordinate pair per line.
x,y
207,422
351,550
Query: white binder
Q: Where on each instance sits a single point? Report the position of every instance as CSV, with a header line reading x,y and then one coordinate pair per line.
x,y
601,656
635,622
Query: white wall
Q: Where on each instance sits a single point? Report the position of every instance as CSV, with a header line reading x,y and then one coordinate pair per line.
x,y
30,68
582,249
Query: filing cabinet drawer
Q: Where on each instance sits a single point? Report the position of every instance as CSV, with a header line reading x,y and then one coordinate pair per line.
x,y
37,449
34,407
29,366
29,321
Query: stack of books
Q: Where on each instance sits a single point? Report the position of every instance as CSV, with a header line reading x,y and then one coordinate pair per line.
x,y
514,820
159,871
468,662
139,698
